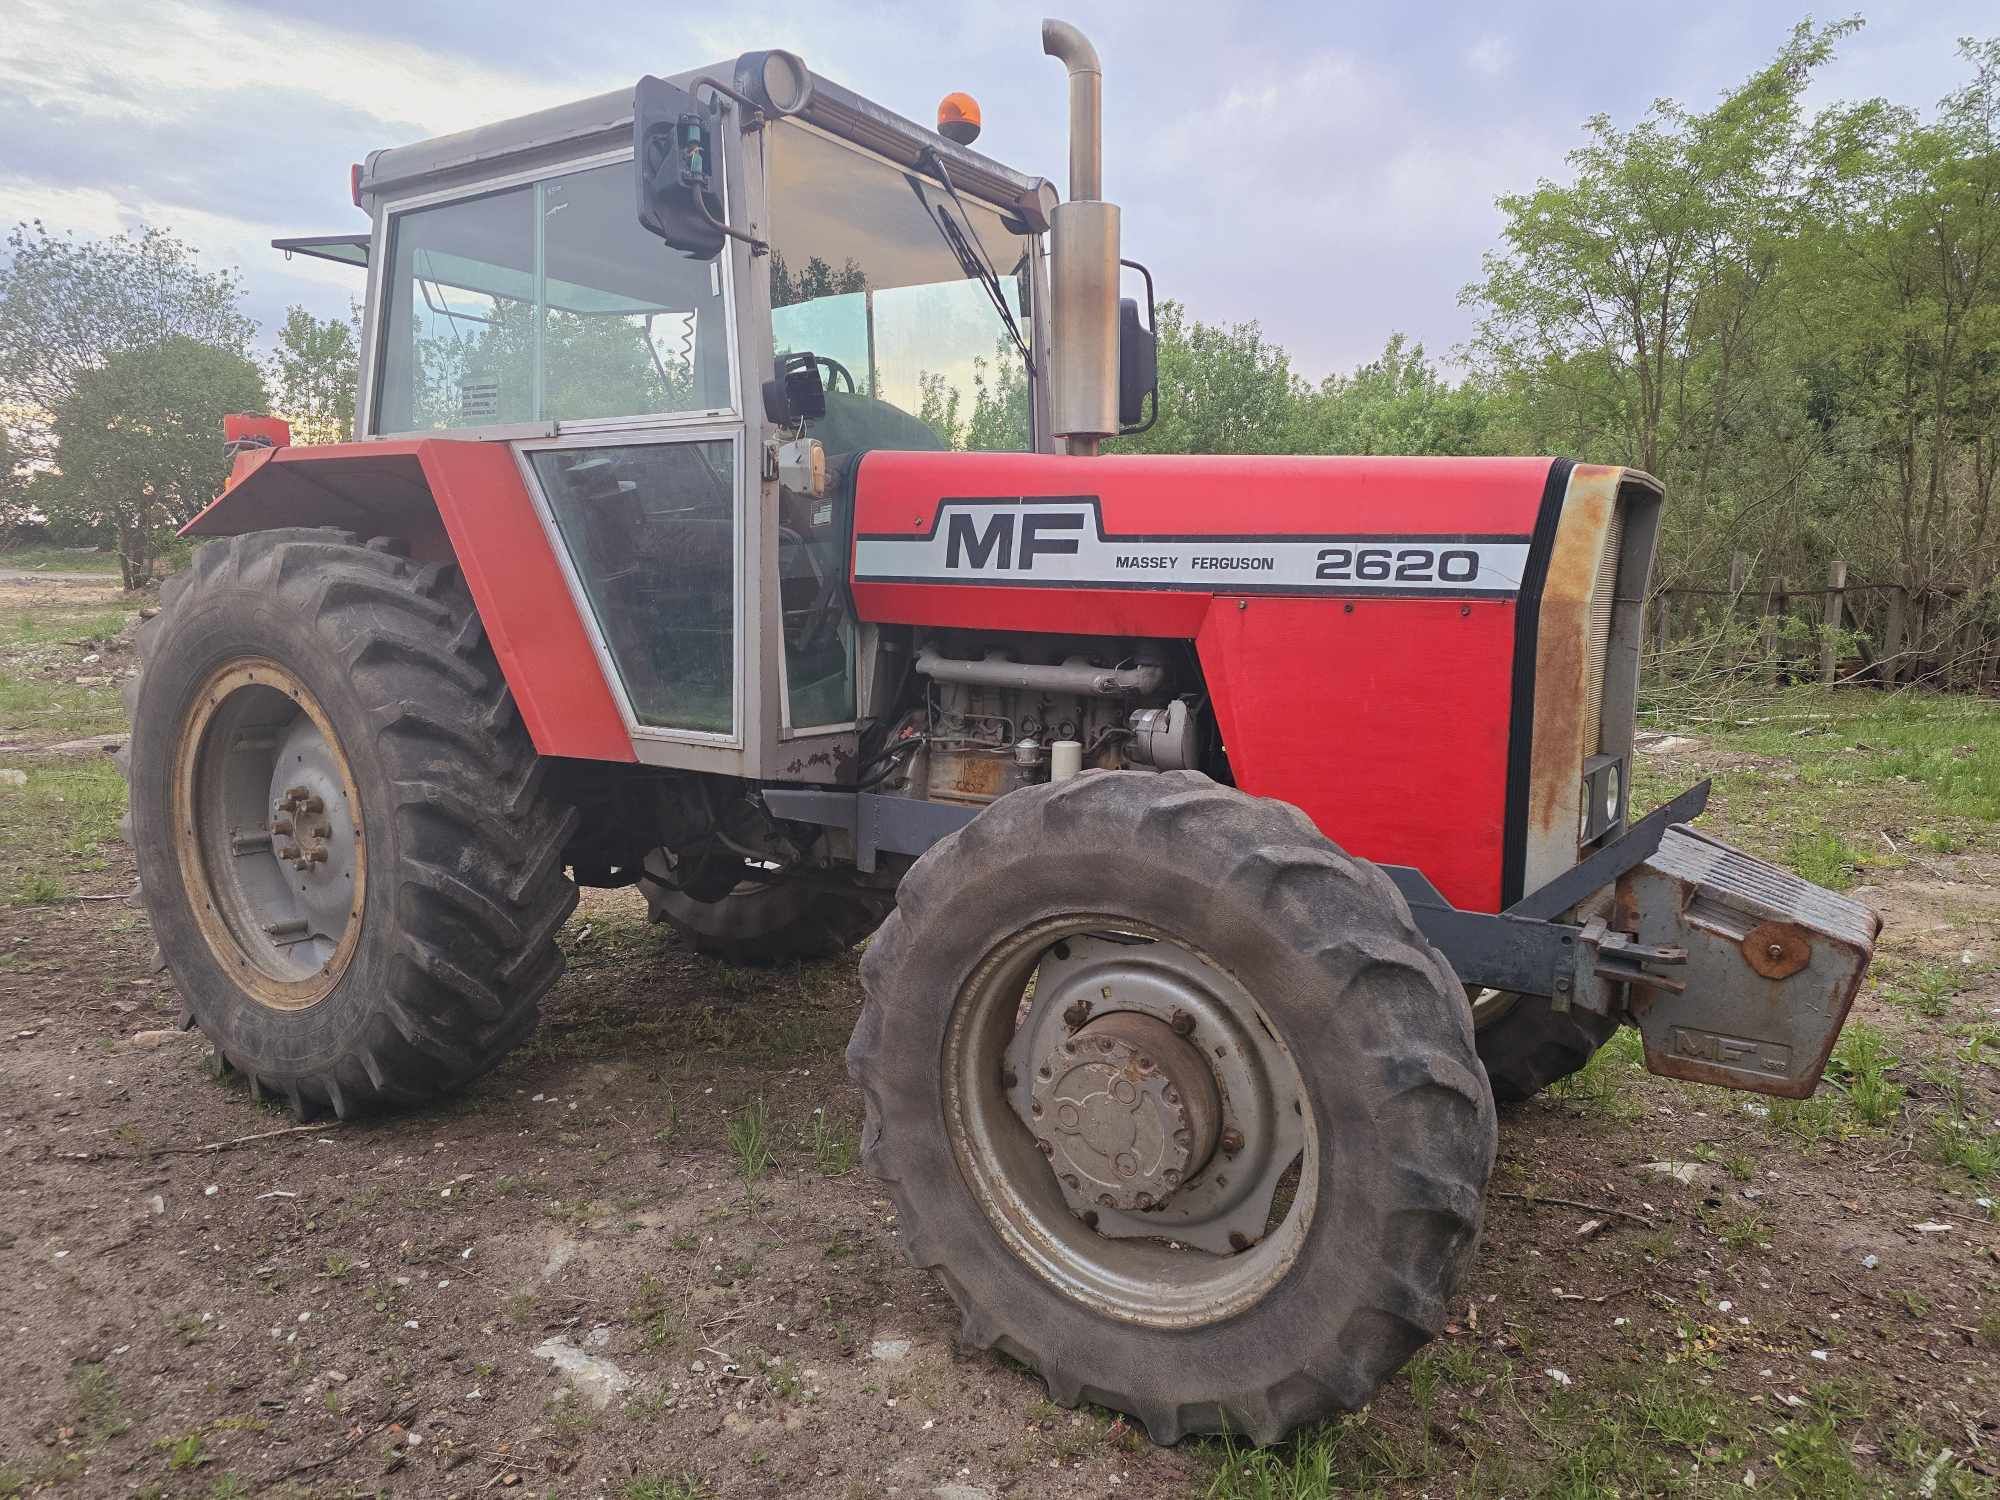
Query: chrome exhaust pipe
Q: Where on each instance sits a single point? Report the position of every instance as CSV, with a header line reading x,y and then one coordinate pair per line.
x,y
1072,48
1083,256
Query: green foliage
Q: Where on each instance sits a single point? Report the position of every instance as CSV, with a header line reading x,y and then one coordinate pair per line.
x,y
750,1141
1861,1062
313,372
1823,857
68,304
1397,403
1222,390
140,440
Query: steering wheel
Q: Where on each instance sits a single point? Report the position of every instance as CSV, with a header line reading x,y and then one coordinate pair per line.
x,y
836,373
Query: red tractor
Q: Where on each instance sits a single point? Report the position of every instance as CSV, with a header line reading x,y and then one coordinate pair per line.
x,y
728,520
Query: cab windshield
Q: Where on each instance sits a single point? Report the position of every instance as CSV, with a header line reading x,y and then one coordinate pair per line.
x,y
909,343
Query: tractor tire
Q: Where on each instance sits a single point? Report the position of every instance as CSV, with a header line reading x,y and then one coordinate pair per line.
x,y
353,874
760,925
1208,925
1527,1046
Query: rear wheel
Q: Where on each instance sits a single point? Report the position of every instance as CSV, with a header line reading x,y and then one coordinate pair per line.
x,y
764,922
1177,1101
352,873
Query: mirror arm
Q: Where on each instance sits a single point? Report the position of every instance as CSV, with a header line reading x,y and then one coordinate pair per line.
x,y
1152,327
757,246
753,117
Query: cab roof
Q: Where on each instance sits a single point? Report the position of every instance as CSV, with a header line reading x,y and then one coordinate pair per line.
x,y
549,137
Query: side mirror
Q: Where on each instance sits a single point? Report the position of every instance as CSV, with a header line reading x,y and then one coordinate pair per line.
x,y
795,393
1138,361
674,157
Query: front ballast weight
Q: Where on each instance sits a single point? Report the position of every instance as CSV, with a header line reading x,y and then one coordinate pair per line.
x,y
1734,971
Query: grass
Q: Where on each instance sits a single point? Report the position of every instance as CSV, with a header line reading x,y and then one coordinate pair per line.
x,y
1824,858
1602,1086
99,1417
184,1452
1945,749
67,807
1926,988
750,1141
42,654
833,1147
685,1485
60,560
1861,1063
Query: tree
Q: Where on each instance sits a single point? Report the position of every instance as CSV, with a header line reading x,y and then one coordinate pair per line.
x,y
68,304
140,438
1398,403
13,483
1222,390
1904,324
313,372
1631,312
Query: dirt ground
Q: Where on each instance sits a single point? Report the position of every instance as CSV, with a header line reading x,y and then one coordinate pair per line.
x,y
580,1278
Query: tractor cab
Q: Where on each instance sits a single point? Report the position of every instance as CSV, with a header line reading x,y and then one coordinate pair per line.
x,y
685,308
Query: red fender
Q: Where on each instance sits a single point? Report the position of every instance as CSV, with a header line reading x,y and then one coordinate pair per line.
x,y
449,499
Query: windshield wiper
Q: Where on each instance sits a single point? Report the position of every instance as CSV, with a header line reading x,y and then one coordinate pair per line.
x,y
973,262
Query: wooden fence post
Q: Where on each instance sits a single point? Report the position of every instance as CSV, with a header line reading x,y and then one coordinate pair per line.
x,y
1661,608
1829,646
1739,576
1892,638
1776,606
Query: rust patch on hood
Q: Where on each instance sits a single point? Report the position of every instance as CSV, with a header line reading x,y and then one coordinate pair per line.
x,y
1562,648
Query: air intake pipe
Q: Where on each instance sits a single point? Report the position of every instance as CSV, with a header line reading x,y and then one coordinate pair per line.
x,y
1083,254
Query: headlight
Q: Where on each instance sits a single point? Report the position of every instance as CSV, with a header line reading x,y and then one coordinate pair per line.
x,y
1611,790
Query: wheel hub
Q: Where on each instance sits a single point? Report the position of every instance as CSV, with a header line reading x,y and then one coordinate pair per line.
x,y
271,840
1125,1111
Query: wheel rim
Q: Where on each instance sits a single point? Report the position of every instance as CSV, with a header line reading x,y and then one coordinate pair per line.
x,y
1489,1005
1105,1017
271,844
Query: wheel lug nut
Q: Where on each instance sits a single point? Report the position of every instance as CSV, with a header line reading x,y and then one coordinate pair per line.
x,y
1077,1014
323,831
1232,1141
290,851
1145,1201
293,793
316,856
281,825
1035,1109
1238,1240
1182,1022
1047,1148
313,805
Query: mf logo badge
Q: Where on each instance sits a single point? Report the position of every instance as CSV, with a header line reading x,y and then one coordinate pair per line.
x,y
971,541
1059,541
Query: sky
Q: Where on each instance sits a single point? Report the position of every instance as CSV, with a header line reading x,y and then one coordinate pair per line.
x,y
1326,170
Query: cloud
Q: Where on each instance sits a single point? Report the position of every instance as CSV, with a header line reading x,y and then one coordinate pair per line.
x,y
1490,56
1326,171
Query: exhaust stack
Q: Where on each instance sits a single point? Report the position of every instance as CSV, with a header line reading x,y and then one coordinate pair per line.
x,y
1083,254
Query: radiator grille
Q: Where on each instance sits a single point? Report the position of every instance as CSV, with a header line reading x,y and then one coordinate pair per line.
x,y
1603,594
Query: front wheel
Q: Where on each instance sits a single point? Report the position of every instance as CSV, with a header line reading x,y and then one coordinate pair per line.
x,y
1177,1101
352,872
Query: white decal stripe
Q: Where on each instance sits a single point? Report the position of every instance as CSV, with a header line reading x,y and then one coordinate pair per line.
x,y
1058,545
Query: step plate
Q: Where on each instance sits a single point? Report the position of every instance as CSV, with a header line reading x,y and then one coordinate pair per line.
x,y
1773,965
